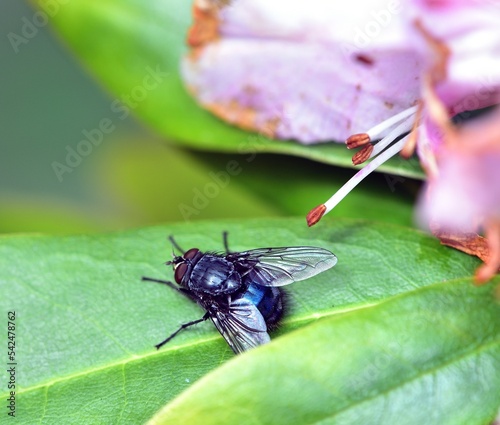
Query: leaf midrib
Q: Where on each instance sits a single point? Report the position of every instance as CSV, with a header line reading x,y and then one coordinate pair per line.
x,y
135,357
295,320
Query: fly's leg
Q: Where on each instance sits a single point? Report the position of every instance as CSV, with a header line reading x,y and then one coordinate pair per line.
x,y
175,244
186,293
224,240
184,326
183,291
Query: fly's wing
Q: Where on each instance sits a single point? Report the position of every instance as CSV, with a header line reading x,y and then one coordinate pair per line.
x,y
241,325
282,266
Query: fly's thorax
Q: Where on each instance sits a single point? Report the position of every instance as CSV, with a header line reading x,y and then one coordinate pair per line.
x,y
214,275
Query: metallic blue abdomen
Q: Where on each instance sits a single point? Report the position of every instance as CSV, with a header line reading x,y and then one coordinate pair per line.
x,y
268,300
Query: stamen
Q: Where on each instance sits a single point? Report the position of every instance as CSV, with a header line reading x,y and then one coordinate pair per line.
x,y
405,120
315,214
362,155
409,149
438,112
357,140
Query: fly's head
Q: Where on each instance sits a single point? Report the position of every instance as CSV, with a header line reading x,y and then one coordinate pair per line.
x,y
183,264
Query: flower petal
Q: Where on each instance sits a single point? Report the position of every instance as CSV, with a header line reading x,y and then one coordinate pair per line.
x,y
313,71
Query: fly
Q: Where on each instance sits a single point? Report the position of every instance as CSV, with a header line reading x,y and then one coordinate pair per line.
x,y
241,291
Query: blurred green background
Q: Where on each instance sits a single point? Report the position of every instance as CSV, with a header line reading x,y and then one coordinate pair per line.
x,y
136,177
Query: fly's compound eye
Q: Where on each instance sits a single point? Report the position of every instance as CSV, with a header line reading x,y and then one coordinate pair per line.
x,y
182,263
180,271
189,255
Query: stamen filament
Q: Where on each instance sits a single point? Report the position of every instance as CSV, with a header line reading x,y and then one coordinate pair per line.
x,y
405,126
377,130
361,174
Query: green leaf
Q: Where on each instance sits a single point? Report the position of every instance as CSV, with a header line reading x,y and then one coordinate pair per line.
x,y
86,325
187,189
126,42
430,356
199,186
35,216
